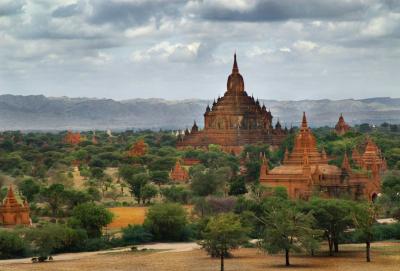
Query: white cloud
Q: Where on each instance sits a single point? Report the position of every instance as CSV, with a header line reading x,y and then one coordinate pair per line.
x,y
305,46
177,52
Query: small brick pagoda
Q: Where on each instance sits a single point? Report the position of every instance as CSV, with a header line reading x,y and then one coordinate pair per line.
x,y
341,126
178,173
138,149
234,120
306,172
12,212
72,138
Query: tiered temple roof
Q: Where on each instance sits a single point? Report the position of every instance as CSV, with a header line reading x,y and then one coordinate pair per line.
x,y
12,212
178,173
234,120
341,126
306,171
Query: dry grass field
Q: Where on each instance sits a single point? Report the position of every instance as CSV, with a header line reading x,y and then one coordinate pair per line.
x,y
385,257
123,216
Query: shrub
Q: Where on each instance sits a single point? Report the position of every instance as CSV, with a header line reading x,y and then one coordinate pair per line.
x,y
11,245
135,234
167,222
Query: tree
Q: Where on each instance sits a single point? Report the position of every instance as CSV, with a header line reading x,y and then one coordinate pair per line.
x,y
332,216
206,182
136,183
92,218
29,188
52,238
159,177
223,233
238,186
364,217
148,192
176,194
167,222
55,197
286,229
11,245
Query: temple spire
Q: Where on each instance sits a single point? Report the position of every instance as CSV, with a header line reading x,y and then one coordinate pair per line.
x,y
304,121
235,68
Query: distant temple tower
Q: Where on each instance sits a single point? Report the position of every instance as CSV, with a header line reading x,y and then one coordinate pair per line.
x,y
234,120
341,126
12,212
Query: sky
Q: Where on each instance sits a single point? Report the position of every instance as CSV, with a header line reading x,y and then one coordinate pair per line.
x,y
175,49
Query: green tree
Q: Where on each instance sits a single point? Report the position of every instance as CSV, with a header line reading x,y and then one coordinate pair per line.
x,y
136,183
207,182
29,188
54,238
176,194
167,222
11,245
286,229
92,218
159,177
223,233
364,217
238,186
148,192
332,216
54,195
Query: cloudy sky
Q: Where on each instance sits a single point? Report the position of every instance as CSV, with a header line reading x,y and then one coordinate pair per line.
x,y
175,49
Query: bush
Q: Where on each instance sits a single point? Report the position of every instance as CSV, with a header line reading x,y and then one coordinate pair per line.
x,y
56,238
11,245
167,222
92,218
135,234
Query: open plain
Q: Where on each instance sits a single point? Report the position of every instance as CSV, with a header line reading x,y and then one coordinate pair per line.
x,y
385,257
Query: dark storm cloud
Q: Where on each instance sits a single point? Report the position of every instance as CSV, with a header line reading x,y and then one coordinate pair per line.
x,y
281,10
126,14
12,7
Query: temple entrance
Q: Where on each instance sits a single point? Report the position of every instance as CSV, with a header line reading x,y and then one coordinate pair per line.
x,y
374,197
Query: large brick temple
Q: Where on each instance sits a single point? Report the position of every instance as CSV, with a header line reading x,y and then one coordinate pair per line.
x,y
234,120
13,212
305,171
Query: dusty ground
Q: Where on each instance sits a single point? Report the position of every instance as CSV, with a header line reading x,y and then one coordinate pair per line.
x,y
385,257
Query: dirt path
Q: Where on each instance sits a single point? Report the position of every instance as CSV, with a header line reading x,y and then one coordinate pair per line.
x,y
165,247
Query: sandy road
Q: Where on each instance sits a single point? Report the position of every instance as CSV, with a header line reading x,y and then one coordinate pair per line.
x,y
165,247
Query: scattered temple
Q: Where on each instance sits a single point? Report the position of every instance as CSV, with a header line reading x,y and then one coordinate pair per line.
x,y
305,171
234,120
72,138
178,173
138,149
341,126
13,212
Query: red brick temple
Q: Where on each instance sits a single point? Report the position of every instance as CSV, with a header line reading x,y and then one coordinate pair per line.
x,y
178,173
13,212
234,120
305,171
72,138
341,126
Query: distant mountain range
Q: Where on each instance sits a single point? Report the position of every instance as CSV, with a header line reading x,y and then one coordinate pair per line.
x,y
46,113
